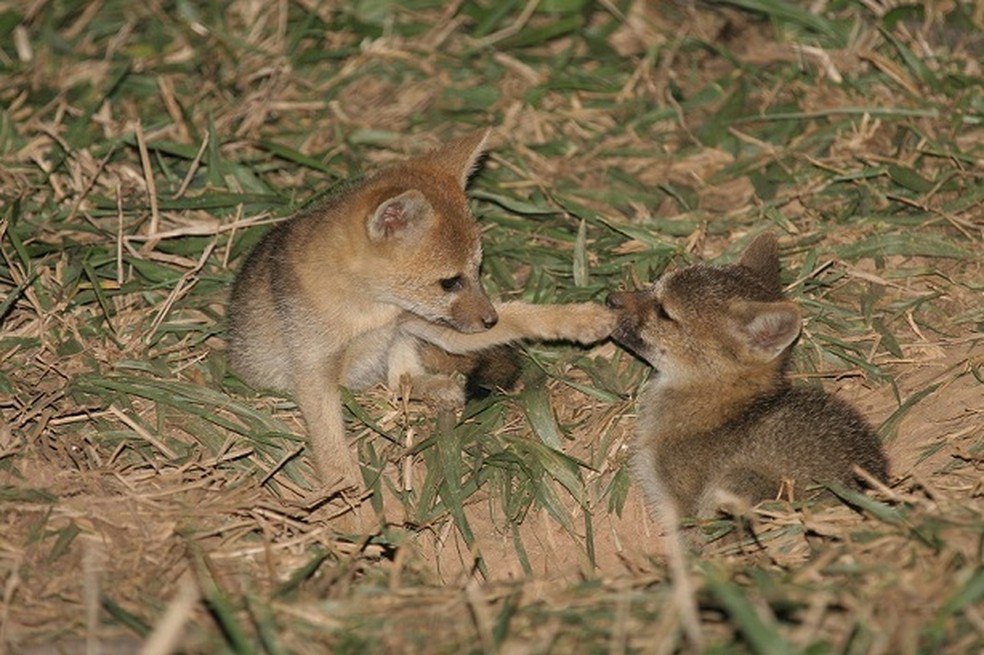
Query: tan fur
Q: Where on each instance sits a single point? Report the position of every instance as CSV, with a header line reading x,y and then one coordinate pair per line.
x,y
344,294
718,419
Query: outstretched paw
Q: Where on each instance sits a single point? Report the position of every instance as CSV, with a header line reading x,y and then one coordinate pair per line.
x,y
591,322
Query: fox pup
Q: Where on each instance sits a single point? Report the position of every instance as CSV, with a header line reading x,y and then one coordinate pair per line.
x,y
349,293
719,421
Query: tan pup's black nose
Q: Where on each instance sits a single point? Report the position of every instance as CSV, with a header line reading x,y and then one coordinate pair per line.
x,y
490,319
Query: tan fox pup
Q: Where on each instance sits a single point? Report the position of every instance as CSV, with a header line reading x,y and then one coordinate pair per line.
x,y
349,292
719,421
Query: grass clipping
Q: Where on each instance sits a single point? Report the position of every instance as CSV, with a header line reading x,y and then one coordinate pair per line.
x,y
151,502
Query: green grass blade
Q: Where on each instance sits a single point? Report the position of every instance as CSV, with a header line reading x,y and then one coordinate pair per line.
x,y
760,630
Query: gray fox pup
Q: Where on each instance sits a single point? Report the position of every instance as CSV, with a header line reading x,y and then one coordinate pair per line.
x,y
719,422
348,293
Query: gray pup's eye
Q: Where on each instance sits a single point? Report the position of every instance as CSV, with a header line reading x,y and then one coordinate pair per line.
x,y
454,283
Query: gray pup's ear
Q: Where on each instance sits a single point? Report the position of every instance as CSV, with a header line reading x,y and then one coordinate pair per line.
x,y
401,217
765,329
761,257
460,157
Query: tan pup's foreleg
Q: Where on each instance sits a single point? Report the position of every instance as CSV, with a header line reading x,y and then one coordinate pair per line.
x,y
317,395
583,323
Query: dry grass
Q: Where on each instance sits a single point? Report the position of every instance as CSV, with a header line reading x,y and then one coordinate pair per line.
x,y
148,500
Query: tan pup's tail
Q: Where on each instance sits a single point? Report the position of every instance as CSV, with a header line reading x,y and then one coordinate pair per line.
x,y
497,367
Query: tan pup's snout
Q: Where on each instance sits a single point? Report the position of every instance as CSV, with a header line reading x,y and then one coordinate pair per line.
x,y
489,317
473,312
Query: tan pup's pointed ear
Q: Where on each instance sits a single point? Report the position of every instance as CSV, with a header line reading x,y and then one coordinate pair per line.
x,y
765,329
460,157
400,217
762,258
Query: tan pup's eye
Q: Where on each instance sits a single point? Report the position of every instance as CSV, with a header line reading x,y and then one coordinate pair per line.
x,y
661,312
451,284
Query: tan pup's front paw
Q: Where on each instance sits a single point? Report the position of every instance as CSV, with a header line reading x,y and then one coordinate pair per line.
x,y
348,478
590,322
342,472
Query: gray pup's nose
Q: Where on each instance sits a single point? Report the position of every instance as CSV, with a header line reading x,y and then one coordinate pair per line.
x,y
615,300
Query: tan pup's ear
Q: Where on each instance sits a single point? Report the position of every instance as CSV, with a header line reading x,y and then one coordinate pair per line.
x,y
460,157
764,329
400,217
762,258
